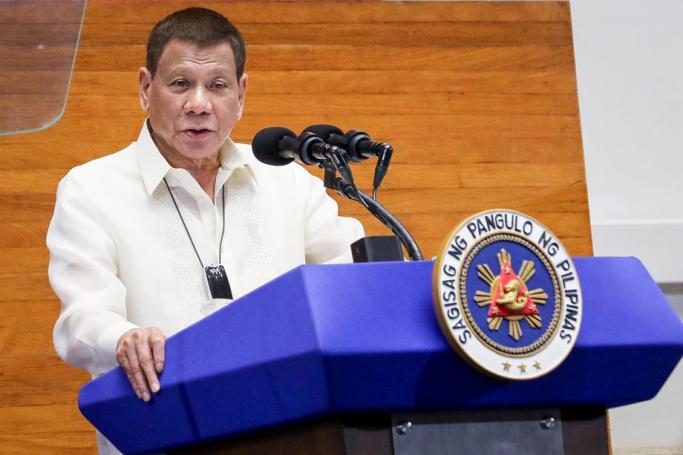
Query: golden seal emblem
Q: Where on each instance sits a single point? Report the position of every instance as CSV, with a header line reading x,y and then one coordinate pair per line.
x,y
507,295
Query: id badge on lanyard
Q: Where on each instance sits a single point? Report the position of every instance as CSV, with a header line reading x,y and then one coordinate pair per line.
x,y
217,279
216,276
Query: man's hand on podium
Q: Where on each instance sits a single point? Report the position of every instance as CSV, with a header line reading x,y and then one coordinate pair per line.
x,y
140,352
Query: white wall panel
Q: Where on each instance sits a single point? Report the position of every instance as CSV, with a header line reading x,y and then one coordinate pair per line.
x,y
629,62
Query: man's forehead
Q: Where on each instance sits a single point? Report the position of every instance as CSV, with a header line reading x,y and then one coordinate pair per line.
x,y
179,55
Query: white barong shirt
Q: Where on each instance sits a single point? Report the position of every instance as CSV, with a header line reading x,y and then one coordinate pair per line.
x,y
121,259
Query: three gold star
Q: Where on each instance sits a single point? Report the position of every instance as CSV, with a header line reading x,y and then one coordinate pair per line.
x,y
522,367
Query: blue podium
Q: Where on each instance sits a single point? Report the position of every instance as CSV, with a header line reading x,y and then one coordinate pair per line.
x,y
357,341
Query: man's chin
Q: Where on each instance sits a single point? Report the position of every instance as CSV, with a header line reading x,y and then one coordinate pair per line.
x,y
199,149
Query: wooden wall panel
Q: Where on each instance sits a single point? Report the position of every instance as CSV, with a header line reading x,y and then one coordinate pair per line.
x,y
478,99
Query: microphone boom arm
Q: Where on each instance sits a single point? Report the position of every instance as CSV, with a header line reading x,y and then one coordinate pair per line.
x,y
377,210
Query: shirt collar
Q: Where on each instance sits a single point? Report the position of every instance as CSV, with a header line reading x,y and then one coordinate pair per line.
x,y
154,166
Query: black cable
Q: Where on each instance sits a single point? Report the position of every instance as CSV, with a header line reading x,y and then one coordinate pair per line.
x,y
187,231
220,245
382,214
333,164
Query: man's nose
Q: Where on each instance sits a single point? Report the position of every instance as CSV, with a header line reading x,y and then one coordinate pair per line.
x,y
198,101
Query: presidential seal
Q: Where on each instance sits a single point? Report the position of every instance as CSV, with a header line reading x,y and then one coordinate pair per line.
x,y
507,295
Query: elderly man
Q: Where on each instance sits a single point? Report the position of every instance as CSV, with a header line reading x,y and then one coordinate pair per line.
x,y
152,238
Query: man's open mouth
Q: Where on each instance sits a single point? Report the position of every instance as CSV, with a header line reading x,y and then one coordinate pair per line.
x,y
197,133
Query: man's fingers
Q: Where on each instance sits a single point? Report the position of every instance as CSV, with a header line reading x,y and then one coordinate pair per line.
x,y
158,341
144,352
137,373
125,364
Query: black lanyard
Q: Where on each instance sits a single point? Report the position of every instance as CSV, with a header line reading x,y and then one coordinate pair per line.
x,y
216,277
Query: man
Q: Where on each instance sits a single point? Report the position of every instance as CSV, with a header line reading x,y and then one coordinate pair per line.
x,y
148,240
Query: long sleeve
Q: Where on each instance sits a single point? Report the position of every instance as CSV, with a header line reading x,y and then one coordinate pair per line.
x,y
83,274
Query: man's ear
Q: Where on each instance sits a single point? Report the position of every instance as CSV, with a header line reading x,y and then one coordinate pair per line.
x,y
242,92
145,84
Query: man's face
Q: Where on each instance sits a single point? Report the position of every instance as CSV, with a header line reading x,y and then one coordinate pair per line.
x,y
194,99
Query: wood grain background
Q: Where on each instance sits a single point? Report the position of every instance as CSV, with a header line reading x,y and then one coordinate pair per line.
x,y
478,99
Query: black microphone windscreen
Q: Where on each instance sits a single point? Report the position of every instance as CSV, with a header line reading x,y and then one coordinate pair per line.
x,y
265,145
324,131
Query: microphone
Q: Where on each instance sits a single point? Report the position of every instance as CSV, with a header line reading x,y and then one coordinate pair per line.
x,y
358,146
278,146
274,146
